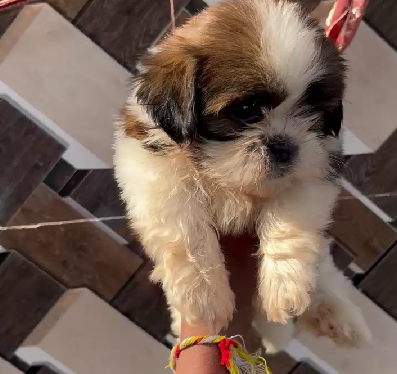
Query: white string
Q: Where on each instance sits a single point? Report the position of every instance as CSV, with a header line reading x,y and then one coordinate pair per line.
x,y
386,194
115,218
60,223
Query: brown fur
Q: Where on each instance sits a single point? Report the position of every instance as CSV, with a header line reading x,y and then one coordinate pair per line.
x,y
133,127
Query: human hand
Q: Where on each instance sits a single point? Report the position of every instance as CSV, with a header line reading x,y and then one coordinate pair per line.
x,y
242,266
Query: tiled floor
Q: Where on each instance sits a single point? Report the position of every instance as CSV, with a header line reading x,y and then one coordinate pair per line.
x,y
26,295
80,255
38,184
28,153
115,344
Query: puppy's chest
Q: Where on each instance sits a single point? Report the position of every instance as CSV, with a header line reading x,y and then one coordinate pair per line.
x,y
235,214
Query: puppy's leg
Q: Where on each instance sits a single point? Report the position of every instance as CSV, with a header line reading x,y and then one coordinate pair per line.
x,y
331,312
188,262
290,231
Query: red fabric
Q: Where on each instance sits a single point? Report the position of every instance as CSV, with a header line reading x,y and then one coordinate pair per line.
x,y
344,20
177,352
9,4
224,347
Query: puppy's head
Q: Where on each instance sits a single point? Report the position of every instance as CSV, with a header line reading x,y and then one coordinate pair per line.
x,y
251,90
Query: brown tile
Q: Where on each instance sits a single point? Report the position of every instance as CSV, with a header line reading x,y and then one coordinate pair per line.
x,y
78,255
361,231
125,29
375,175
380,284
305,368
382,15
144,303
122,228
342,258
26,295
99,194
27,154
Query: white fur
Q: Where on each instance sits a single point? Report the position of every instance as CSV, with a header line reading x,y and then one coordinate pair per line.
x,y
289,44
331,314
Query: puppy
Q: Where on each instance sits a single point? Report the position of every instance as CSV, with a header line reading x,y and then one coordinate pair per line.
x,y
232,127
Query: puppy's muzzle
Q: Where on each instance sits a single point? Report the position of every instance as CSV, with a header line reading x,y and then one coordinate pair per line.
x,y
281,150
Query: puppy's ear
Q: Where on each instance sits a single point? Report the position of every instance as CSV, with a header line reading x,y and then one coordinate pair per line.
x,y
166,87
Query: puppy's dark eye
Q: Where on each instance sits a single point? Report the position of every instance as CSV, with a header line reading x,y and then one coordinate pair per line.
x,y
333,121
247,112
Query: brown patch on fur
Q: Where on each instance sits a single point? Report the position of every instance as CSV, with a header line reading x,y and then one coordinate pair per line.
x,y
169,74
234,66
133,128
188,74
322,320
221,72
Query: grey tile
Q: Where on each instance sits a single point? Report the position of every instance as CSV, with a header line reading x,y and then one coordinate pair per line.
x,y
27,154
60,175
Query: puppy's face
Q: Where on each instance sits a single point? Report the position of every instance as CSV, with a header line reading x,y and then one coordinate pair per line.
x,y
251,91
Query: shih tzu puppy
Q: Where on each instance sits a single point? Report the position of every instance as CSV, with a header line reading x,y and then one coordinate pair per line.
x,y
232,127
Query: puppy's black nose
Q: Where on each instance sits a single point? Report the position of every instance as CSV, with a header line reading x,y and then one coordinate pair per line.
x,y
281,150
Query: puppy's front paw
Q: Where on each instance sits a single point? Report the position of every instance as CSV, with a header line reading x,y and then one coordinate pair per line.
x,y
208,304
285,289
339,320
